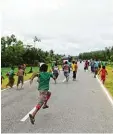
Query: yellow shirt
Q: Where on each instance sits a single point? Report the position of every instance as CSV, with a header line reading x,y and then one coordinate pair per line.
x,y
74,67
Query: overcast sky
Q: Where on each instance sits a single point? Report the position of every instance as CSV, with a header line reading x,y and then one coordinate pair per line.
x,y
66,26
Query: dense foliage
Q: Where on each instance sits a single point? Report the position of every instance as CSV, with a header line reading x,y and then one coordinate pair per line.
x,y
15,52
103,55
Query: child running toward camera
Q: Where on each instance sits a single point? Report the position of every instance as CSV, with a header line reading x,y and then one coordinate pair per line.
x,y
103,73
43,88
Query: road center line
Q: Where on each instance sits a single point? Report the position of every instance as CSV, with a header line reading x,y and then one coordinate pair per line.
x,y
105,91
26,116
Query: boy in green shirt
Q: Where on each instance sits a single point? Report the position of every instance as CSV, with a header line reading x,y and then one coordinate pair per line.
x,y
43,87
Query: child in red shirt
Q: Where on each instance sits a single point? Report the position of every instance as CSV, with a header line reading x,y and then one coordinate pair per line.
x,y
103,72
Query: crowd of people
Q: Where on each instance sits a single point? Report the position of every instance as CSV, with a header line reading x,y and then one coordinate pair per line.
x,y
21,72
97,67
44,78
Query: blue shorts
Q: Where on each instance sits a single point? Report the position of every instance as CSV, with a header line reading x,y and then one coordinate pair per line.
x,y
66,74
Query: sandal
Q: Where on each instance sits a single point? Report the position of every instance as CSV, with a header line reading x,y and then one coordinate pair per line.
x,y
44,107
31,119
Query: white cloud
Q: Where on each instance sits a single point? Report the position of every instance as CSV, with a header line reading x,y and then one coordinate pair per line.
x,y
67,26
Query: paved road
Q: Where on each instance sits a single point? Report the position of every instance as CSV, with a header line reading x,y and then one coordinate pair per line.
x,y
79,106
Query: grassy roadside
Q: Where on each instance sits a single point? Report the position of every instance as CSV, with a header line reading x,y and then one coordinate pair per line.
x,y
5,70
27,77
109,80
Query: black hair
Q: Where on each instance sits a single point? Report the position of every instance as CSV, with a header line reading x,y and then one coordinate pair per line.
x,y
44,68
65,62
55,64
12,68
19,67
103,67
73,62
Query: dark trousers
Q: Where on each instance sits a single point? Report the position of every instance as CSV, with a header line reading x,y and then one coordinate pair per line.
x,y
74,74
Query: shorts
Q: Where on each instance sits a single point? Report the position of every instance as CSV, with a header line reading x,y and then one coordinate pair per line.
x,y
86,68
66,74
96,70
20,80
56,75
43,95
103,77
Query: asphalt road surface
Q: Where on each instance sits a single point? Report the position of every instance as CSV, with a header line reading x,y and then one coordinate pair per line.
x,y
76,106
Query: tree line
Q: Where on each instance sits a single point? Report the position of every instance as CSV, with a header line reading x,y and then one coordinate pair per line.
x,y
15,52
103,55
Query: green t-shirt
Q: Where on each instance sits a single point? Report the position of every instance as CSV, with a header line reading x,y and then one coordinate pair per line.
x,y
103,64
11,73
44,78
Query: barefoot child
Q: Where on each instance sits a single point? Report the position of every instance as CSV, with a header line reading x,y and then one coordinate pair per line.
x,y
43,88
76,68
103,73
20,75
66,69
56,71
73,69
1,78
11,77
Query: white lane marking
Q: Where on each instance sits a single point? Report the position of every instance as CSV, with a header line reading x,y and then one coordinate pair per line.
x,y
106,91
26,116
13,86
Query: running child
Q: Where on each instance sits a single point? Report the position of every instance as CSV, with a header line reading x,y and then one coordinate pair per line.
x,y
66,70
86,65
11,77
56,71
73,69
92,66
76,68
103,73
20,75
1,78
96,68
43,88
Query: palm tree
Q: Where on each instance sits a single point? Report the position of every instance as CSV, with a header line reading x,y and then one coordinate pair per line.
x,y
35,40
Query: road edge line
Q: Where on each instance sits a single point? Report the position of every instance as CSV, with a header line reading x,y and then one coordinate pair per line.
x,y
27,115
105,91
13,86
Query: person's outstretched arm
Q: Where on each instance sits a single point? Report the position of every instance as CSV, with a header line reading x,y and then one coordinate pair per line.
x,y
33,76
106,72
99,72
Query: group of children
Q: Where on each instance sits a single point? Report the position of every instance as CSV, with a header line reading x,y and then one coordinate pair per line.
x,y
11,74
97,68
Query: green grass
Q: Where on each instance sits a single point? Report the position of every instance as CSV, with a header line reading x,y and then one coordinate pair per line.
x,y
109,80
5,70
27,77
